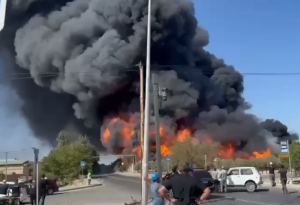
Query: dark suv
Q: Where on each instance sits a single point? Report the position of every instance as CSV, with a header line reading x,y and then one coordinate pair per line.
x,y
205,177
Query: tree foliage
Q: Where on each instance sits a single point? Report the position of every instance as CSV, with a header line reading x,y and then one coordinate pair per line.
x,y
295,157
194,153
64,161
2,176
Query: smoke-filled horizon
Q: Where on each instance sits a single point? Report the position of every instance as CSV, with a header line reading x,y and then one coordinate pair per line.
x,y
90,44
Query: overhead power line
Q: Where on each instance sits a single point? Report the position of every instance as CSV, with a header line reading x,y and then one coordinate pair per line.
x,y
176,68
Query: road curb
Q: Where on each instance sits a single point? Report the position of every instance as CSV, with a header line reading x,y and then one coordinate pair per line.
x,y
84,187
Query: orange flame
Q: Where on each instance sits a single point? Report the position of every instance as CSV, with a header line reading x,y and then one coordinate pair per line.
x,y
227,151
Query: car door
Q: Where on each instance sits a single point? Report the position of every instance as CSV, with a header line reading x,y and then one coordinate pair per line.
x,y
233,177
246,174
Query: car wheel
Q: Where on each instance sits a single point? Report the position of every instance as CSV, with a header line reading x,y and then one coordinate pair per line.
x,y
50,191
250,186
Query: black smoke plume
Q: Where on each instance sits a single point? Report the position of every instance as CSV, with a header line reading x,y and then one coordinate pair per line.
x,y
81,54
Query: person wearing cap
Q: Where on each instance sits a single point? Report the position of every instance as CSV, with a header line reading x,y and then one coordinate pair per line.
x,y
154,187
186,190
272,174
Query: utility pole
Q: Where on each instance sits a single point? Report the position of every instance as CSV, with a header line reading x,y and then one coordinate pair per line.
x,y
36,163
141,68
6,158
155,93
145,170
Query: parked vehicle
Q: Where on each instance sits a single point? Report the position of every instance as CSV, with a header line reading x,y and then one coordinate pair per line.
x,y
247,177
205,177
52,187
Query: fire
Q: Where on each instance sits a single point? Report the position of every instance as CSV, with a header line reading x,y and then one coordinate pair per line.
x,y
128,135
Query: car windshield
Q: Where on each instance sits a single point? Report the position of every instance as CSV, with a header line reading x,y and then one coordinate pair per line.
x,y
202,174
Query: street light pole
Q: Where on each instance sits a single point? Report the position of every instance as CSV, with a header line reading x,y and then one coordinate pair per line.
x,y
36,162
147,112
157,131
6,156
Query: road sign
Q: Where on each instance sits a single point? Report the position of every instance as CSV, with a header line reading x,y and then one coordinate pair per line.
x,y
284,155
82,163
2,13
168,158
284,147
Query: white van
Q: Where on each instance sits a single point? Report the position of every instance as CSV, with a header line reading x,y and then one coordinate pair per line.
x,y
247,177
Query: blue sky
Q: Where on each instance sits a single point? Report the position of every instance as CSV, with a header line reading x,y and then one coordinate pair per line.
x,y
259,36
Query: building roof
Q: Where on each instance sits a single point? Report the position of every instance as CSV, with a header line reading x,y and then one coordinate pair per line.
x,y
12,162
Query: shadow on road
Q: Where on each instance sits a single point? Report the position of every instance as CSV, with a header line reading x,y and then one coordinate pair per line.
x,y
244,190
217,197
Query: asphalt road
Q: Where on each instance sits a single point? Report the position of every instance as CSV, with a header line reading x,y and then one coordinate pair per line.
x,y
264,196
108,194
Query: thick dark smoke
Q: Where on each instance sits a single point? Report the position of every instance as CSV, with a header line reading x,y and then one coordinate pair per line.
x,y
81,55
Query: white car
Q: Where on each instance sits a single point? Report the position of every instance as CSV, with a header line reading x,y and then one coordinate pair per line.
x,y
247,177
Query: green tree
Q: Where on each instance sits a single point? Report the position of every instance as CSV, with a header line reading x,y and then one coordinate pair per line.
x,y
2,176
295,157
64,161
194,153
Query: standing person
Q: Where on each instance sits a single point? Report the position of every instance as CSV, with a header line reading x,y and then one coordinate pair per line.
x,y
272,174
222,177
186,190
43,189
89,176
214,175
32,192
283,179
154,187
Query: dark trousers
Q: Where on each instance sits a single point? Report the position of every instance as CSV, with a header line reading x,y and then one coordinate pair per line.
x,y
43,197
272,179
283,185
33,199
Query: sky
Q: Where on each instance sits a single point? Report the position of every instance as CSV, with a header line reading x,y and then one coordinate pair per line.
x,y
255,37
259,36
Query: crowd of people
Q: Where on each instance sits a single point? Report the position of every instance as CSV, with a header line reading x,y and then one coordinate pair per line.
x,y
7,190
185,189
188,191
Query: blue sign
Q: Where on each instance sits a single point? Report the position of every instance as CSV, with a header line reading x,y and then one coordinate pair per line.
x,y
284,147
168,159
82,163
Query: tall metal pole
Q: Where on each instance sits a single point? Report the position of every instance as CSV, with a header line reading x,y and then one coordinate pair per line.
x,y
290,160
36,162
147,112
157,133
142,108
6,158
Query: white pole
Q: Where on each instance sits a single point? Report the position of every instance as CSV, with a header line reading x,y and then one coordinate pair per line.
x,y
147,111
290,161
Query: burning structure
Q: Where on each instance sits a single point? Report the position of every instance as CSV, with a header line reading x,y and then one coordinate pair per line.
x,y
81,53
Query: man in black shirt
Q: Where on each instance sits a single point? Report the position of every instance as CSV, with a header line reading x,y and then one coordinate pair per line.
x,y
32,192
43,189
283,179
272,174
186,190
